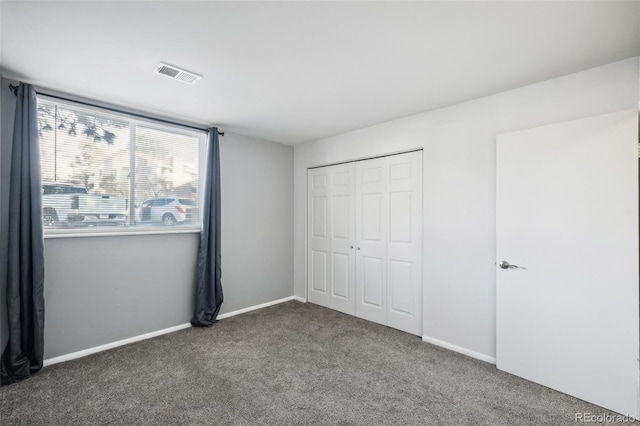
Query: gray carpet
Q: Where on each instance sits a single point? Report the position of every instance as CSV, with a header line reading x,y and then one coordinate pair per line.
x,y
292,363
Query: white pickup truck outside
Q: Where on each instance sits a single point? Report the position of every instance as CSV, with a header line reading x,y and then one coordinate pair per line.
x,y
66,205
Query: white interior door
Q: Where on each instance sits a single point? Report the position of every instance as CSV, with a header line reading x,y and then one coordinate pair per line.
x,y
567,216
331,237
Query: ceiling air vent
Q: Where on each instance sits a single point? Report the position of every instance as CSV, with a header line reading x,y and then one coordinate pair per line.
x,y
177,73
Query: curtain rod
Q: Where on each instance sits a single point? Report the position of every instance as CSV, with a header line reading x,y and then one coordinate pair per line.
x,y
14,89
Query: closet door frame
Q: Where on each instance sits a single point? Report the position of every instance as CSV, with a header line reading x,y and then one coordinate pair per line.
x,y
418,327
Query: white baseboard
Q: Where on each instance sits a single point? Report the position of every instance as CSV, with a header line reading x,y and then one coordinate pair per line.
x,y
459,349
300,299
253,308
96,349
85,352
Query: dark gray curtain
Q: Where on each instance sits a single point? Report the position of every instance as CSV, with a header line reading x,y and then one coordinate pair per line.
x,y
209,271
24,270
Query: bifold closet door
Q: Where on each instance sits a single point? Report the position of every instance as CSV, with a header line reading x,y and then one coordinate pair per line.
x,y
389,241
364,236
331,237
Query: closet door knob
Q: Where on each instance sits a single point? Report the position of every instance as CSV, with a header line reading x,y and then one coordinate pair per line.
x,y
350,246
506,265
357,248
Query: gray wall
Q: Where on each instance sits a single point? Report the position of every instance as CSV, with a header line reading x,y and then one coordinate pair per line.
x,y
103,289
257,221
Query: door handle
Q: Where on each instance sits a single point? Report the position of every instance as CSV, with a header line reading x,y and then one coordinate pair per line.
x,y
506,265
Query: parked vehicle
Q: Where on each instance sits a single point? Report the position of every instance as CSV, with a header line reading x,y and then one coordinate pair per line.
x,y
166,210
72,205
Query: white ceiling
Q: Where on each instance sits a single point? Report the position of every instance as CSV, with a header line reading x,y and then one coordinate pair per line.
x,y
297,71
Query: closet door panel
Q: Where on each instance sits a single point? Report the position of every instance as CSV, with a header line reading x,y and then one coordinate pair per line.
x,y
331,237
373,279
341,275
404,245
343,263
318,236
400,289
371,240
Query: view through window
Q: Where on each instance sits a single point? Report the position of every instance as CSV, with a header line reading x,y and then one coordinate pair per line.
x,y
113,172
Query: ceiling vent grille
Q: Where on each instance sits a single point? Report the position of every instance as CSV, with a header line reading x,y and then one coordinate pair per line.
x,y
177,73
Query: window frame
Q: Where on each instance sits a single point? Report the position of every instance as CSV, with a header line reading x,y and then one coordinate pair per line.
x,y
135,122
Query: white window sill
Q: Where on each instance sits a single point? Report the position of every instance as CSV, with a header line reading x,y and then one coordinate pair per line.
x,y
102,232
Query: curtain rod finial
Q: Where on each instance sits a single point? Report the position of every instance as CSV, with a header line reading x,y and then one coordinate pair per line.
x,y
221,133
14,89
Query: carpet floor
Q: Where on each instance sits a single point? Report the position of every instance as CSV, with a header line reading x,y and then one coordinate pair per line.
x,y
292,363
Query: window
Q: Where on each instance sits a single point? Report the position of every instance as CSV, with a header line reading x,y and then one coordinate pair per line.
x,y
103,171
